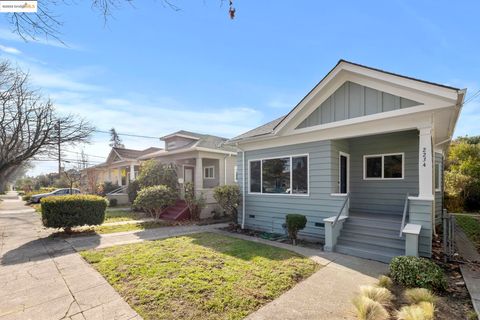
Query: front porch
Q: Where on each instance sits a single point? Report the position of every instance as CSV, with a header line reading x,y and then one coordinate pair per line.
x,y
385,182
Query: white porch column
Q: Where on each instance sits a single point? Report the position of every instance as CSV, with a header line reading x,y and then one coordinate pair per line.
x,y
198,174
425,164
132,172
221,173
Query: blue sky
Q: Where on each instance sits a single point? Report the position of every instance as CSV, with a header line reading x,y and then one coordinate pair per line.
x,y
152,70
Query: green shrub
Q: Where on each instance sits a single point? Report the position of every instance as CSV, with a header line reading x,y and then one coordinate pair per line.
x,y
228,197
112,202
106,187
132,190
195,204
154,200
417,272
72,211
155,173
27,197
295,223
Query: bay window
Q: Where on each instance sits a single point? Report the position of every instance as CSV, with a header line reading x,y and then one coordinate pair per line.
x,y
283,175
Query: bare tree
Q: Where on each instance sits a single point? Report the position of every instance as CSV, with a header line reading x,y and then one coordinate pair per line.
x,y
29,125
46,24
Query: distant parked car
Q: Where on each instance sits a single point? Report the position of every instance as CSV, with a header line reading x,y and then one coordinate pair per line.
x,y
59,192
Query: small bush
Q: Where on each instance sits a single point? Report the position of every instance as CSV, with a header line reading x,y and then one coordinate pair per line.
x,y
380,295
418,295
385,282
132,190
112,202
421,311
195,204
72,211
154,200
295,223
417,272
228,197
367,309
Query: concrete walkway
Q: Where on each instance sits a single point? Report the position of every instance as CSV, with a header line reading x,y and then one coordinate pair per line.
x,y
327,294
44,278
471,269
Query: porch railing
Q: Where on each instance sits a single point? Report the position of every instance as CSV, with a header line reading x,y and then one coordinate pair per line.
x,y
119,190
341,210
405,210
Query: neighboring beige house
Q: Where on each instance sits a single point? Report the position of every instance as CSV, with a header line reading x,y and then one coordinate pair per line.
x,y
201,159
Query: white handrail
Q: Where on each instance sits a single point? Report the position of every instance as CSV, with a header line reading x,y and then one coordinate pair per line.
x,y
405,209
118,190
341,210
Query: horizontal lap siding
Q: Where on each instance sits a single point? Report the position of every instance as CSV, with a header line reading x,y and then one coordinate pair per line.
x,y
269,211
383,196
439,194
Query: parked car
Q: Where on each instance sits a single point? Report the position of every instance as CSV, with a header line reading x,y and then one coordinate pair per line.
x,y
59,192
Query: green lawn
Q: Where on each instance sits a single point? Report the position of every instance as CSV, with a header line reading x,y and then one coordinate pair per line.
x,y
200,276
102,229
112,215
471,226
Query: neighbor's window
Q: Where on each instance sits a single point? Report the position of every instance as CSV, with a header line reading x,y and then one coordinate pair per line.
x,y
438,177
209,173
235,173
383,166
286,175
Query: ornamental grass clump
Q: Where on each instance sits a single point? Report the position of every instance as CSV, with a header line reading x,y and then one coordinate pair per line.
x,y
368,309
378,294
417,295
421,311
385,282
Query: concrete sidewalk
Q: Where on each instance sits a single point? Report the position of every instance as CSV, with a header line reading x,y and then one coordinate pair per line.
x,y
327,294
471,269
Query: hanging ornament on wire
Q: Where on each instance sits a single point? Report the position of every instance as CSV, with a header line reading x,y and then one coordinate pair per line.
x,y
231,11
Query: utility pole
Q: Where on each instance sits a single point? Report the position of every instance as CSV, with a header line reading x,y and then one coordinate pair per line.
x,y
59,151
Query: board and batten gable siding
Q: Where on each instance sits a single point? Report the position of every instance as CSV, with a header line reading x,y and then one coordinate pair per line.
x,y
439,194
383,196
266,212
352,100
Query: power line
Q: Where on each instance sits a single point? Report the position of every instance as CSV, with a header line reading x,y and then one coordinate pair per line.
x,y
472,97
90,155
128,135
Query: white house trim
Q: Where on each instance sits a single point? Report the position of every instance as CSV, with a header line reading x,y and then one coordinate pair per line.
x,y
425,163
341,153
205,171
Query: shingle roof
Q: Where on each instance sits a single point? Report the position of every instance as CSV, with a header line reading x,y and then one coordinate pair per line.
x,y
259,131
133,154
204,141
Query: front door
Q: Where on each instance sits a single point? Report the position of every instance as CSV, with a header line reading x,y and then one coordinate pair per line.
x,y
344,172
188,174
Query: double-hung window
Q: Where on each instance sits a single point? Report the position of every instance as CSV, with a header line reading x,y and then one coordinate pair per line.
x,y
383,166
438,177
209,172
283,175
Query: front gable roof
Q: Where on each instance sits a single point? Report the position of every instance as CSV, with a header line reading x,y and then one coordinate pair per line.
x,y
419,94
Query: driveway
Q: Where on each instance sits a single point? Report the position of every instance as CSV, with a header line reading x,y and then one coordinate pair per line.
x,y
44,278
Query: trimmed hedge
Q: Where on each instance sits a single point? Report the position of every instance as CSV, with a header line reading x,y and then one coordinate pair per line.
x,y
72,211
414,272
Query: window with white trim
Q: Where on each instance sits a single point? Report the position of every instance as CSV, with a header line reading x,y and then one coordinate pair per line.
x,y
383,166
209,172
438,177
235,173
283,175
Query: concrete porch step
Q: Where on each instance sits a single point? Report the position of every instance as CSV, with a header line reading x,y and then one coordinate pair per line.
x,y
386,241
373,230
372,252
376,224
